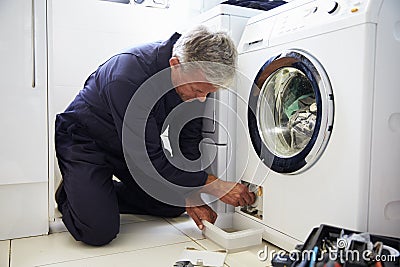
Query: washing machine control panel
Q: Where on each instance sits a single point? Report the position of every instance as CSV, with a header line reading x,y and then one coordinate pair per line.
x,y
319,16
329,6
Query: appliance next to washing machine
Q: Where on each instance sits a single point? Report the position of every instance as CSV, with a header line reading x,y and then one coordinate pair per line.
x,y
219,125
318,113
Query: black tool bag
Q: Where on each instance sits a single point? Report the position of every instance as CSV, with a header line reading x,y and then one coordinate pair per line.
x,y
329,246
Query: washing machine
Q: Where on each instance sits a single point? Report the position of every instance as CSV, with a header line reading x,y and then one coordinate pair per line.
x,y
319,119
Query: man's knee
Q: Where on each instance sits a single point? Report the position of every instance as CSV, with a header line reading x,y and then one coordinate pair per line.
x,y
99,236
96,229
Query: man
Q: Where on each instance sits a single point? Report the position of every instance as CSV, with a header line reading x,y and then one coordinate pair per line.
x,y
93,145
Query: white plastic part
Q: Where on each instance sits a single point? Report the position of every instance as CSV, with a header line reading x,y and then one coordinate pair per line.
x,y
232,235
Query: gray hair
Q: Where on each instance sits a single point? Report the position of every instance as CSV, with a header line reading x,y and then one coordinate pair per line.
x,y
213,52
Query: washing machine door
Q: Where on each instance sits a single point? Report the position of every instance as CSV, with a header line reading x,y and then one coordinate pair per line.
x,y
290,113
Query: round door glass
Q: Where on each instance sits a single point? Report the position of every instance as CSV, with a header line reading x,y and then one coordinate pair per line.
x,y
290,95
290,112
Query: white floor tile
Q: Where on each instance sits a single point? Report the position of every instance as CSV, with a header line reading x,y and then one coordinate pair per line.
x,y
158,256
248,257
185,224
60,247
4,251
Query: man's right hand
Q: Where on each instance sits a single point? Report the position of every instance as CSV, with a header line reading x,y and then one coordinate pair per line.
x,y
235,194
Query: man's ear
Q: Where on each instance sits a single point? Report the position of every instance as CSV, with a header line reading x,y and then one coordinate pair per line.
x,y
174,62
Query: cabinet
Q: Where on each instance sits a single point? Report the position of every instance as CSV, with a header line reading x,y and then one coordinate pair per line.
x,y
24,139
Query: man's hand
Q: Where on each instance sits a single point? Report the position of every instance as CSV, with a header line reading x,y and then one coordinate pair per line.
x,y
239,195
231,193
199,213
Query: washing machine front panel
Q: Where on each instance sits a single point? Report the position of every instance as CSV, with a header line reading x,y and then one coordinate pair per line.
x,y
289,100
354,182
335,189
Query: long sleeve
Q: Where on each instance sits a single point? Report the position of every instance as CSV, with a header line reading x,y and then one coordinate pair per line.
x,y
130,96
138,125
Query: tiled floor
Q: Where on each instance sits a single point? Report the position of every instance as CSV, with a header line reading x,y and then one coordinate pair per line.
x,y
4,251
142,241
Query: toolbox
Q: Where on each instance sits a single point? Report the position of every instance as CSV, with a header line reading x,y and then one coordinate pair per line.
x,y
330,246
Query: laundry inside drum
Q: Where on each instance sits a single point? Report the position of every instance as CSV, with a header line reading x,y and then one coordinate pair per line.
x,y
286,112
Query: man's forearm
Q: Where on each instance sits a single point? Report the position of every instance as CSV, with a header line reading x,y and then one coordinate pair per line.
x,y
213,186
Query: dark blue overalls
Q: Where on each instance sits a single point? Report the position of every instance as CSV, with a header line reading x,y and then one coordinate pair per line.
x,y
89,149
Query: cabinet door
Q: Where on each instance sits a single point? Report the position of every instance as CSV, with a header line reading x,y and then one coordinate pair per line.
x,y
215,124
23,142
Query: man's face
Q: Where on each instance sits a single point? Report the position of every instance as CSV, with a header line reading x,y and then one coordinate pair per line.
x,y
195,90
191,85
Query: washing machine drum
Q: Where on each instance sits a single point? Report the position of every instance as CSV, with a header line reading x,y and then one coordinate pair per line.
x,y
290,112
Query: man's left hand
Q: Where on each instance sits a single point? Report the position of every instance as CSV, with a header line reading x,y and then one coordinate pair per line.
x,y
199,213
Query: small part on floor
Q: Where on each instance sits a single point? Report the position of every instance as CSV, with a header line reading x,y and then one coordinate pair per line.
x,y
202,257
